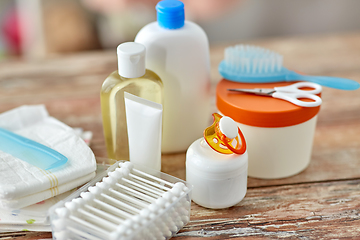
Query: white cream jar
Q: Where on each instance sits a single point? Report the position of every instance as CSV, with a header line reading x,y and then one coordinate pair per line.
x,y
279,134
219,180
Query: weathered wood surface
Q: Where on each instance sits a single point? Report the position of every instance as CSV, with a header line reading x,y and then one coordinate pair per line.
x,y
306,211
321,202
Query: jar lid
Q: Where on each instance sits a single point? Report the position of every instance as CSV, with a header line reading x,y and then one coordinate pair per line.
x,y
260,111
209,164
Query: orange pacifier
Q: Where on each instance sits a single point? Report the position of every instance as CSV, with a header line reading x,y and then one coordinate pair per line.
x,y
223,134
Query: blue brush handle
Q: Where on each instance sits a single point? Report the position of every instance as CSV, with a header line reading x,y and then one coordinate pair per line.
x,y
333,82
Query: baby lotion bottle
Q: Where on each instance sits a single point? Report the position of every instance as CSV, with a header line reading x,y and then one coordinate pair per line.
x,y
131,77
217,164
178,51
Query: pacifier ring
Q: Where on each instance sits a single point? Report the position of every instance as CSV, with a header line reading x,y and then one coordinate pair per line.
x,y
236,150
220,142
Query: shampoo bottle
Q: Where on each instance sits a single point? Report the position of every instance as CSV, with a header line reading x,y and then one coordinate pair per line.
x,y
131,77
178,51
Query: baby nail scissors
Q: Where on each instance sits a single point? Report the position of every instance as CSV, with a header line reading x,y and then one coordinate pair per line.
x,y
291,93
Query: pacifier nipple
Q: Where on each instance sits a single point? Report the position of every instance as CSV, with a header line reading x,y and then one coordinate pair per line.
x,y
223,136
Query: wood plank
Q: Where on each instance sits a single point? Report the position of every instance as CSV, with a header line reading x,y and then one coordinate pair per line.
x,y
26,235
306,211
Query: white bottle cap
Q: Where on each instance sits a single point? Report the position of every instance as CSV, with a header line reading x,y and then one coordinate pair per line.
x,y
131,59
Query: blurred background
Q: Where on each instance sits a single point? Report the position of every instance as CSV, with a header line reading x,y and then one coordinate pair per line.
x,y
39,28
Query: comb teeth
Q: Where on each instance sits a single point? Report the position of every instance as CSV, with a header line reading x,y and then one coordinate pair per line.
x,y
126,204
247,59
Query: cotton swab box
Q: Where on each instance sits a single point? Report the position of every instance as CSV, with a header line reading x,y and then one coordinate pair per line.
x,y
30,151
129,203
251,64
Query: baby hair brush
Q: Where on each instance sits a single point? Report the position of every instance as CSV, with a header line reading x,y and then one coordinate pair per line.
x,y
251,64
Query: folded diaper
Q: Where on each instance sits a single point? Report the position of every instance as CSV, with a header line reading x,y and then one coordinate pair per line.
x,y
22,184
34,217
40,196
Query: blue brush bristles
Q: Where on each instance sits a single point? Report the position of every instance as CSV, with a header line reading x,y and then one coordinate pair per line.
x,y
251,64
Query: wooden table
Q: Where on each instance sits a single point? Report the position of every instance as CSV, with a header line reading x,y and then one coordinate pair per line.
x,y
321,202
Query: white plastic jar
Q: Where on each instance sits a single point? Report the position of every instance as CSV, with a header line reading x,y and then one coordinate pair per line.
x,y
279,134
219,180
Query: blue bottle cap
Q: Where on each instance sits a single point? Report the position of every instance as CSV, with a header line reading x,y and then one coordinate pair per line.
x,y
170,14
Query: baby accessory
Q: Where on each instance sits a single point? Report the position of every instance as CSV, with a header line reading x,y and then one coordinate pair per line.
x,y
34,217
216,165
23,184
279,134
178,51
131,77
291,93
221,135
251,64
143,119
129,202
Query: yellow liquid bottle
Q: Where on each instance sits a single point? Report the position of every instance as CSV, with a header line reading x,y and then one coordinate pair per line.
x,y
131,77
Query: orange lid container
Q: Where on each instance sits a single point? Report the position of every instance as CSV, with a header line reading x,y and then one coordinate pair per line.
x,y
260,111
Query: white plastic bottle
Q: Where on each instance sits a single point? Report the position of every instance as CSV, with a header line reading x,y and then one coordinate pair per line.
x,y
178,51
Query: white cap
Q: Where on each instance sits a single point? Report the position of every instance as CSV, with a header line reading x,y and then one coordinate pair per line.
x,y
131,59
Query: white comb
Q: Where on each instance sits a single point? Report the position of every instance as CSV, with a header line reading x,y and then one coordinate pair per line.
x,y
127,204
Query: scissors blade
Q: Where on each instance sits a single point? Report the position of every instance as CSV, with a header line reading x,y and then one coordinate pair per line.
x,y
257,91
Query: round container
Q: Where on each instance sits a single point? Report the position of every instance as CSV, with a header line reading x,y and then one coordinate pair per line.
x,y
279,134
219,180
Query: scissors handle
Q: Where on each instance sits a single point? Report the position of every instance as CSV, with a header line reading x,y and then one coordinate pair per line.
x,y
296,88
294,97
